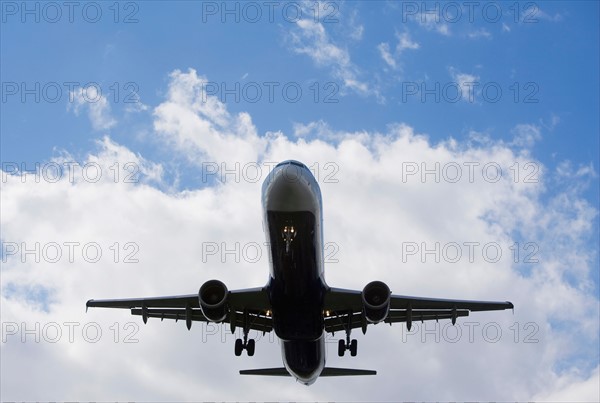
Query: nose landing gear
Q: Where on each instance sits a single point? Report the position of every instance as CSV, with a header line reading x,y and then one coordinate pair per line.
x,y
288,234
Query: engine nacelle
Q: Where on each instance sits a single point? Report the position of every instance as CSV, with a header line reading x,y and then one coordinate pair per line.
x,y
213,300
376,301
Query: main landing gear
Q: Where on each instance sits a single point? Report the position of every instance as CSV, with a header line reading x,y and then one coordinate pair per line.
x,y
248,345
344,345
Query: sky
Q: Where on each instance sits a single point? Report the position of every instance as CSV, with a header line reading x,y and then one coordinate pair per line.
x,y
456,145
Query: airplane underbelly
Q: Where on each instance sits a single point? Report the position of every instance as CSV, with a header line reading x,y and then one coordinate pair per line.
x,y
297,323
296,288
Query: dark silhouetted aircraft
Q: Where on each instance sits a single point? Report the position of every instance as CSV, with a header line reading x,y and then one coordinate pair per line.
x,y
296,302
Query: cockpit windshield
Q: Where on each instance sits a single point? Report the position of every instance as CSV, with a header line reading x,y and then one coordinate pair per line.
x,y
293,162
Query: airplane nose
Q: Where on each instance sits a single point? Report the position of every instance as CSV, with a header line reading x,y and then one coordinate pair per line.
x,y
291,187
292,171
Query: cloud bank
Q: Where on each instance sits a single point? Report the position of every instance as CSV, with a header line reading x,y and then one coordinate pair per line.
x,y
480,214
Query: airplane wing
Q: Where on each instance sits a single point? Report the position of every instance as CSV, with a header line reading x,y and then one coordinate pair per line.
x,y
248,307
344,309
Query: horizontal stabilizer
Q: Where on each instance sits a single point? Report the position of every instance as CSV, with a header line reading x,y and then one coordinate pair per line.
x,y
327,371
265,371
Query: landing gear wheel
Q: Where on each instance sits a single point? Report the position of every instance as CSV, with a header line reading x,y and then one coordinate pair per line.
x,y
250,346
341,347
353,348
239,347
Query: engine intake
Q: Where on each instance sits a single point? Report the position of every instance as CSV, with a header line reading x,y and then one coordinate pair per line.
x,y
213,300
376,301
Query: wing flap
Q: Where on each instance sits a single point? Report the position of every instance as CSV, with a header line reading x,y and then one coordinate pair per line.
x,y
255,321
177,314
402,302
339,323
401,316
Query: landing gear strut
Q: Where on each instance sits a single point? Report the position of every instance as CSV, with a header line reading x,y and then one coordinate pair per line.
x,y
348,344
248,345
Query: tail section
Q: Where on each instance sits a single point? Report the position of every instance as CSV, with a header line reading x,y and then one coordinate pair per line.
x,y
327,371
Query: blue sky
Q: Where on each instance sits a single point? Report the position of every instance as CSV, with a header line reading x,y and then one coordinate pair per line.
x,y
178,86
543,49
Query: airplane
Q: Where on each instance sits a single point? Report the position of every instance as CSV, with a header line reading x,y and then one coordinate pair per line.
x,y
296,303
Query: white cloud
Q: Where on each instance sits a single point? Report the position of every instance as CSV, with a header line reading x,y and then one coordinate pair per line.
x,y
303,130
384,52
200,126
531,14
356,28
311,39
432,21
575,177
371,209
551,125
526,135
99,111
467,84
357,32
572,388
136,107
480,33
404,43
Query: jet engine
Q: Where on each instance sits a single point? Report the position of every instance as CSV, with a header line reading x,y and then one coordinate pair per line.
x,y
376,301
213,300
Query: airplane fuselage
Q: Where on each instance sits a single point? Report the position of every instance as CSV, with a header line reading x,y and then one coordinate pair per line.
x,y
292,220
